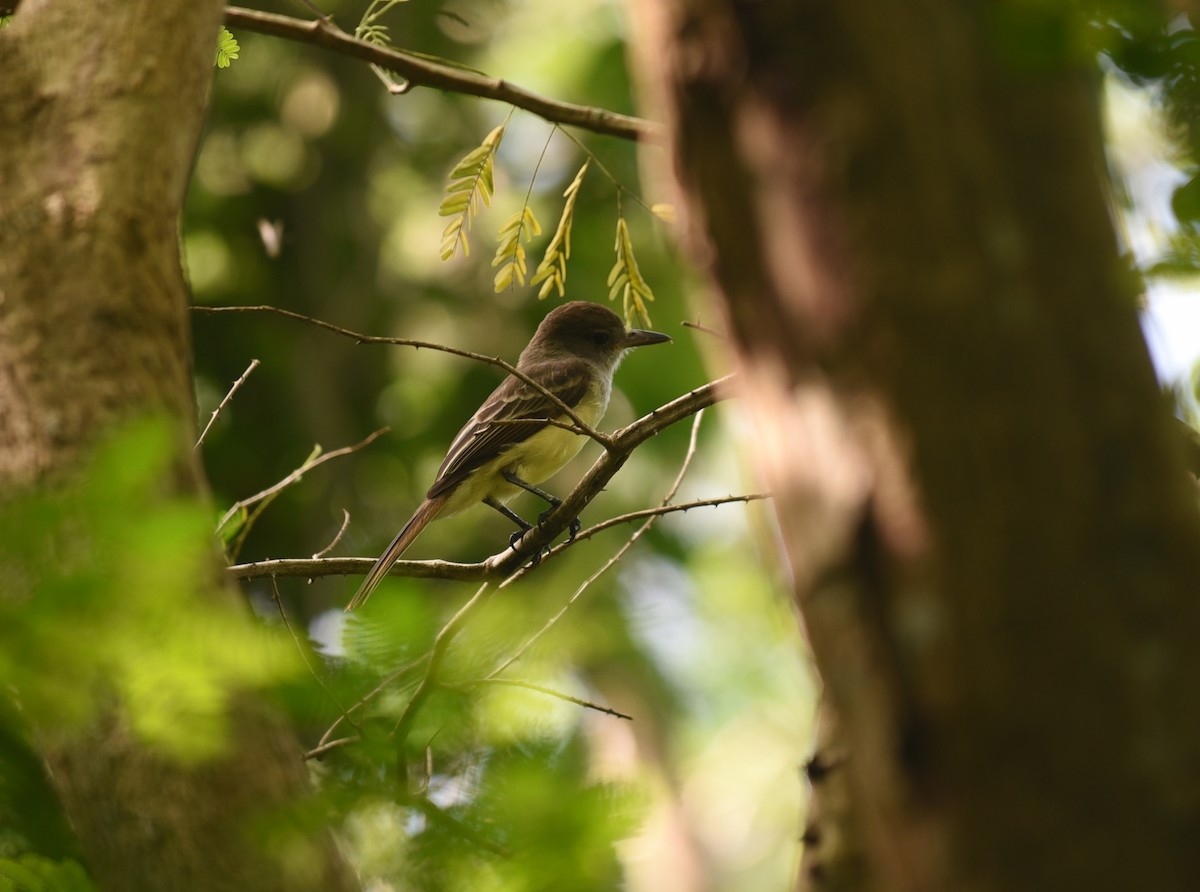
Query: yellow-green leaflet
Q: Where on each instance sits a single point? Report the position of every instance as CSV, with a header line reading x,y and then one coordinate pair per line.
x,y
552,271
470,184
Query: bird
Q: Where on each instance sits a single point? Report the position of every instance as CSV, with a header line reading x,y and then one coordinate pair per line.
x,y
510,444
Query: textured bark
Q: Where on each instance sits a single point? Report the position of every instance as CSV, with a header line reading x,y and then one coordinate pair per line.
x,y
100,110
833,859
992,537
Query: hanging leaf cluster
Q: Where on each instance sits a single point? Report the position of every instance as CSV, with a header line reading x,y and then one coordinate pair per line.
x,y
626,279
227,49
471,182
552,271
510,252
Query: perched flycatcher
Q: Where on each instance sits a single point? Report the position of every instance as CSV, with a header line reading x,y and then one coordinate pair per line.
x,y
508,445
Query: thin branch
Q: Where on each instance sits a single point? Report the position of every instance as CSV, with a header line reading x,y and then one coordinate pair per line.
x,y
437,655
297,475
697,326
625,441
329,746
287,623
588,532
580,424
310,568
424,72
228,396
541,689
336,539
440,816
324,745
628,544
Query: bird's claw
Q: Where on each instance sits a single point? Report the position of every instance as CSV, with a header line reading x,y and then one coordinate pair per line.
x,y
515,539
572,530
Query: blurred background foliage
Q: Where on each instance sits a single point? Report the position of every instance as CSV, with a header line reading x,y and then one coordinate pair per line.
x,y
317,191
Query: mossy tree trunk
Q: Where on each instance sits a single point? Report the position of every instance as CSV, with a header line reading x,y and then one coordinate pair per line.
x,y
101,106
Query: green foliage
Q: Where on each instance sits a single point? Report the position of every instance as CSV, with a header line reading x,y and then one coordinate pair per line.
x,y
31,873
626,279
552,271
510,252
471,183
110,554
370,31
227,49
481,798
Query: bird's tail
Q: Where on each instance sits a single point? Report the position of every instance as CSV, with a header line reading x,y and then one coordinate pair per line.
x,y
424,514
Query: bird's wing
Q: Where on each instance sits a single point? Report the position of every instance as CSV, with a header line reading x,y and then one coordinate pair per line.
x,y
512,414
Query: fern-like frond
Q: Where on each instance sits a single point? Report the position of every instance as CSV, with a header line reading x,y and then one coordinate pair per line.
x,y
510,253
371,32
626,279
471,182
227,49
552,271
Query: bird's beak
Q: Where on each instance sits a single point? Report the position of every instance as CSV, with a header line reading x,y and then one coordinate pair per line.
x,y
639,337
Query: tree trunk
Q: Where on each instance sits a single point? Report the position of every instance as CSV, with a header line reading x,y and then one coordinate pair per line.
x,y
100,111
993,540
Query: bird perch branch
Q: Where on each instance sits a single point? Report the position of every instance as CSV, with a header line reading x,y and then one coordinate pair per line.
x,y
622,444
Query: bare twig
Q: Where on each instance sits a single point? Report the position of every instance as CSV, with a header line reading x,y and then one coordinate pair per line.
x,y
296,475
541,689
359,566
423,72
437,655
336,539
287,623
625,441
586,584
697,326
588,532
330,745
324,745
579,423
228,396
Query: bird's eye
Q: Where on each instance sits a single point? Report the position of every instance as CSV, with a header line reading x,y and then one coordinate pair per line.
x,y
600,338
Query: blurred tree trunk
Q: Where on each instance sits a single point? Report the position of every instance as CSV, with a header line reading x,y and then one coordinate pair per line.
x,y
100,111
994,545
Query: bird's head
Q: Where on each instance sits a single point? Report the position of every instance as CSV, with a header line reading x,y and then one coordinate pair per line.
x,y
587,331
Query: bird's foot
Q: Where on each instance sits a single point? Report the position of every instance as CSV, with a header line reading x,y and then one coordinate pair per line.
x,y
515,538
572,529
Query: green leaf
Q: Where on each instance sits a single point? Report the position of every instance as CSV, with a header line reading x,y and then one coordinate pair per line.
x,y
626,279
227,49
552,271
510,252
471,183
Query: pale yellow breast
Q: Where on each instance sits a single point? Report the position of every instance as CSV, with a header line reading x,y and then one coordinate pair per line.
x,y
534,460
